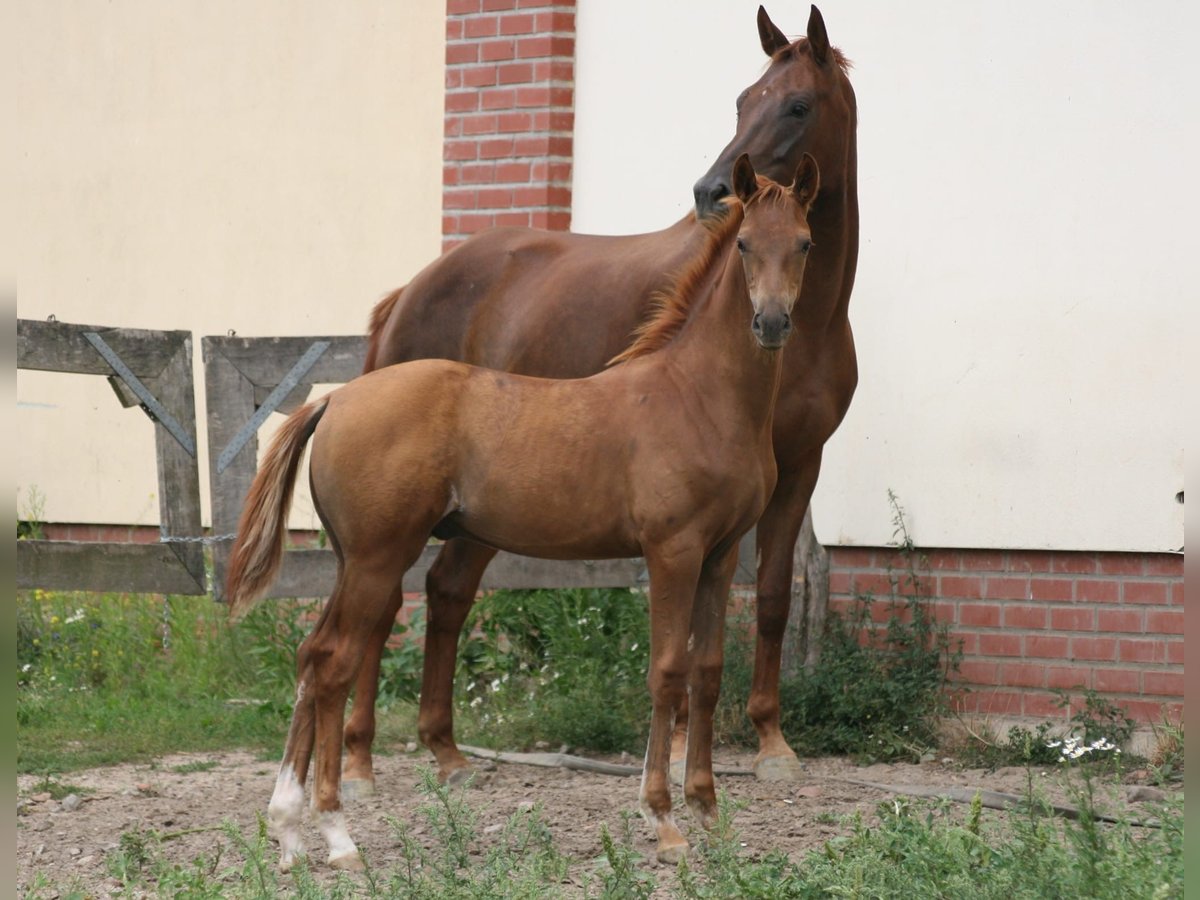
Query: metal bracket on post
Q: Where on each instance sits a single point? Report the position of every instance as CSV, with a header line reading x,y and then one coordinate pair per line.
x,y
149,403
271,403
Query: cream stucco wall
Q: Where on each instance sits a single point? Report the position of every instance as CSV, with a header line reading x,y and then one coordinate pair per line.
x,y
270,167
1027,273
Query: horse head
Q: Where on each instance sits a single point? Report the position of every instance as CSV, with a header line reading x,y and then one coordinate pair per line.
x,y
774,240
803,103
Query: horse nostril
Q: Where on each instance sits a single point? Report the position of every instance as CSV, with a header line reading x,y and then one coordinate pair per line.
x,y
756,323
708,194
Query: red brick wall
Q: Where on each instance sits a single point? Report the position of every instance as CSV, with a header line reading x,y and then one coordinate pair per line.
x,y
1031,622
509,123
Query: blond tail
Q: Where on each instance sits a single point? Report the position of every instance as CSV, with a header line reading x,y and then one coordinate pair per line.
x,y
258,550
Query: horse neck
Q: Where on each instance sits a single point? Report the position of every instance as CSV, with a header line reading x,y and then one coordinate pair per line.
x,y
829,275
719,352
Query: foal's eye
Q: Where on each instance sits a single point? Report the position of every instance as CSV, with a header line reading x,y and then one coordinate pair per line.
x,y
741,246
805,246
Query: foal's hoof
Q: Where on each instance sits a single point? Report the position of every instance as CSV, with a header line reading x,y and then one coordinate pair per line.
x,y
671,854
347,862
778,768
677,770
357,788
288,861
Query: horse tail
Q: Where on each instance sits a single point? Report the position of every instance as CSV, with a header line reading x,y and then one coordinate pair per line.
x,y
258,549
379,317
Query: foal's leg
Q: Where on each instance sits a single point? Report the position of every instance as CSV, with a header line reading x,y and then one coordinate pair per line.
x,y
286,809
673,575
704,683
365,597
358,772
778,529
450,588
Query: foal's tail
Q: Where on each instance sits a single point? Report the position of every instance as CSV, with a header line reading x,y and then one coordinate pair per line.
x,y
258,550
379,317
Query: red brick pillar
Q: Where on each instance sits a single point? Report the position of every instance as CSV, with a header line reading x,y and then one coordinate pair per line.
x,y
510,95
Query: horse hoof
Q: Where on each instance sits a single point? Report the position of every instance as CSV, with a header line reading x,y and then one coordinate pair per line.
x,y
778,768
288,861
672,854
677,771
459,776
357,788
347,862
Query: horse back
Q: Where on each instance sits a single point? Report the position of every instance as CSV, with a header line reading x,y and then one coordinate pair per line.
x,y
552,304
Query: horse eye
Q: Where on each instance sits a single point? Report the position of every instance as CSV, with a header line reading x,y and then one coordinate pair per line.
x,y
799,110
741,246
805,247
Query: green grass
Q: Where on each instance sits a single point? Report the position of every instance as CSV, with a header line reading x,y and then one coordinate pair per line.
x,y
97,684
905,850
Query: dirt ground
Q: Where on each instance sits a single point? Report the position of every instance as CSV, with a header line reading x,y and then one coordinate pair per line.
x,y
69,845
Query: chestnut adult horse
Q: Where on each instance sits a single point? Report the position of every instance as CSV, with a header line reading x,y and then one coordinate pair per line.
x,y
667,454
561,305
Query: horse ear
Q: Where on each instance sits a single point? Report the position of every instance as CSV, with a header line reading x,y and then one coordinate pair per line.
x,y
745,182
772,38
818,38
808,181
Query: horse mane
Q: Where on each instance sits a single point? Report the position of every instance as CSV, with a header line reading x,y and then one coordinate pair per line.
x,y
670,307
801,46
379,316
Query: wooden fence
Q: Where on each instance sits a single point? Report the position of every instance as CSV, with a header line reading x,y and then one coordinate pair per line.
x,y
152,370
246,379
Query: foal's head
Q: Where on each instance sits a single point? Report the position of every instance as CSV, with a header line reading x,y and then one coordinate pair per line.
x,y
774,240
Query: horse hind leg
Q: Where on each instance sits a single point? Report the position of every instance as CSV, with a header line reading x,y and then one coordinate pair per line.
x,y
450,589
285,811
358,770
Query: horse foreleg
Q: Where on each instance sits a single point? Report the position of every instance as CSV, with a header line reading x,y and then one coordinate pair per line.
x,y
450,589
777,532
704,683
673,578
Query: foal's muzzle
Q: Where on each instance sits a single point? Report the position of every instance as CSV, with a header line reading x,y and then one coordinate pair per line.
x,y
771,329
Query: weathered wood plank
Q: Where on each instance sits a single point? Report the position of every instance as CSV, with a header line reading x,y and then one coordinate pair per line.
x,y
61,347
265,361
311,573
178,470
230,404
76,566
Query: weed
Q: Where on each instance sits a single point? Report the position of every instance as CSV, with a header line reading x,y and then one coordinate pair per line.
x,y
621,875
1166,760
564,667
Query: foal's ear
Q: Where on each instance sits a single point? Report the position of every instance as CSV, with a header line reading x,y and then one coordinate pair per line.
x,y
771,37
818,38
745,183
807,183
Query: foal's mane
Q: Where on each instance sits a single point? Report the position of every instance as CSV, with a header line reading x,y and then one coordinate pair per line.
x,y
670,307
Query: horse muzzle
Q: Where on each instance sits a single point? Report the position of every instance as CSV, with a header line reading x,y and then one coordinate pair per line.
x,y
709,191
771,329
